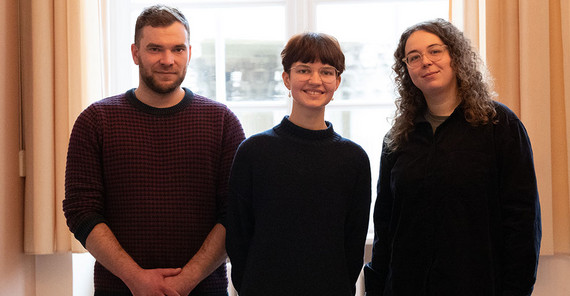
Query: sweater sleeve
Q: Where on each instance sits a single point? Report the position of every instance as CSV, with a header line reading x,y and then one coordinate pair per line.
x,y
358,217
233,135
83,203
520,209
376,271
239,221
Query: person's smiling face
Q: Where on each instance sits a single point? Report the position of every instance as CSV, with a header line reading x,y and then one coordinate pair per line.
x,y
431,77
162,55
313,93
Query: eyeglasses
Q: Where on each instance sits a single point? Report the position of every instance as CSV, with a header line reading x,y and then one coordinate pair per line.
x,y
303,73
434,53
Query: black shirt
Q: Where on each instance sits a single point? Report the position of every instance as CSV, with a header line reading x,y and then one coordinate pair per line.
x,y
457,211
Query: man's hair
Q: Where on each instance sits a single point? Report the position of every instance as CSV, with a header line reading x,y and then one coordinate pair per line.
x,y
159,16
310,47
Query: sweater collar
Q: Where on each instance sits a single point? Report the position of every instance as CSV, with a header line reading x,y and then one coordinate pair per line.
x,y
135,102
288,128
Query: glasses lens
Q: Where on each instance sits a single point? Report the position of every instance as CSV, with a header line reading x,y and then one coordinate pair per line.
x,y
414,59
303,73
328,74
302,70
435,52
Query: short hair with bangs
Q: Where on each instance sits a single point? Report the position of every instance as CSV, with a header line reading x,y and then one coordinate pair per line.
x,y
310,47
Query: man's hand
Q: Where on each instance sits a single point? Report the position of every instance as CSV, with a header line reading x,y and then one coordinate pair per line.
x,y
210,256
104,246
181,283
153,282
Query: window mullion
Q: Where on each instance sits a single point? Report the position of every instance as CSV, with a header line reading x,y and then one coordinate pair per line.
x,y
220,62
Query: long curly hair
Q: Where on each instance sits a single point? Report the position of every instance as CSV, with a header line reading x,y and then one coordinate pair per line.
x,y
474,84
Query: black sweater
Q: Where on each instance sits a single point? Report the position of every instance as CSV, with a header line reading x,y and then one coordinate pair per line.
x,y
298,213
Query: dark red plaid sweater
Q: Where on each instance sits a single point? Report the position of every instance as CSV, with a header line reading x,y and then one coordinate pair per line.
x,y
157,177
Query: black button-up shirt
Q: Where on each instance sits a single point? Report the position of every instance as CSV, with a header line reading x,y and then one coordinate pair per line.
x,y
457,211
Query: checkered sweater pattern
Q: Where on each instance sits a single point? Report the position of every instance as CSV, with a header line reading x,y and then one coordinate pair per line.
x,y
156,176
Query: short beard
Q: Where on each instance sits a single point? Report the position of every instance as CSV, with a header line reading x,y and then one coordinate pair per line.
x,y
151,82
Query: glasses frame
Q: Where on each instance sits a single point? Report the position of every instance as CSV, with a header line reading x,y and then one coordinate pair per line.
x,y
337,73
422,55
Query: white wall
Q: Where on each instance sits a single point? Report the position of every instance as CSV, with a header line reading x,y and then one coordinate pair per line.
x,y
553,276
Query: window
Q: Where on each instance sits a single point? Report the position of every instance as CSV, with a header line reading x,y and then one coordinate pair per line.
x,y
236,49
236,46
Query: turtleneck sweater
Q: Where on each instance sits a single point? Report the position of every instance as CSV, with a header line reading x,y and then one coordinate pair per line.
x,y
298,210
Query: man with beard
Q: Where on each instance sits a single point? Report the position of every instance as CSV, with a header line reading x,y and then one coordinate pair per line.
x,y
147,173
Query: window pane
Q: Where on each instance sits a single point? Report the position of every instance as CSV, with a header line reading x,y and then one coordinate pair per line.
x,y
236,48
369,33
235,58
254,122
253,70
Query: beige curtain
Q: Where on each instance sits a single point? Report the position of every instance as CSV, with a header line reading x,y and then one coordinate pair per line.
x,y
525,45
56,65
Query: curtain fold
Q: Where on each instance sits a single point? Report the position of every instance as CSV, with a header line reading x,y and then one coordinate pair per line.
x,y
56,81
525,42
560,85
37,76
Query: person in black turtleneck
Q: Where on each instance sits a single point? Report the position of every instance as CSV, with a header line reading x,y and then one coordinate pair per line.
x,y
299,198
